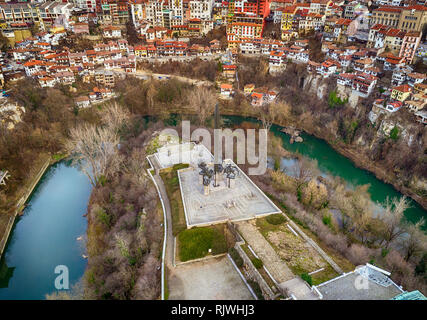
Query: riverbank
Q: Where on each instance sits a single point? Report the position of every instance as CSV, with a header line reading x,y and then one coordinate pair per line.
x,y
355,155
27,191
49,233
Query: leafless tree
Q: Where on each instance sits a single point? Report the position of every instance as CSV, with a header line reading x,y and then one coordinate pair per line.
x,y
266,118
303,171
392,219
135,165
414,241
202,101
94,148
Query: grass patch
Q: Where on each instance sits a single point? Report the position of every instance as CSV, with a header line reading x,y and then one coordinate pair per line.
x,y
195,243
171,181
256,288
59,156
275,219
322,276
257,263
344,263
166,288
307,278
264,227
236,257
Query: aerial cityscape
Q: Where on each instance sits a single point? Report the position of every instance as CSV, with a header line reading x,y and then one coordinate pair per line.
x,y
235,150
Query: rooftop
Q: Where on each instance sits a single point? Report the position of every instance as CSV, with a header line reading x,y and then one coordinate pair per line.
x,y
364,283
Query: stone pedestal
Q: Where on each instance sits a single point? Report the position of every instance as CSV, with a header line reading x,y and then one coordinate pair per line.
x,y
232,183
206,190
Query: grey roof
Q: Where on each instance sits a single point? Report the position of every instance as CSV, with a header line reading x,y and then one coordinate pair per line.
x,y
344,288
364,283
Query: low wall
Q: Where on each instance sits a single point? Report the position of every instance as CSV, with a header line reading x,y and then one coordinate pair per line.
x,y
19,205
255,275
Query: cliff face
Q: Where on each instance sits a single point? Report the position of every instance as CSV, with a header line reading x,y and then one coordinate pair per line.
x,y
391,145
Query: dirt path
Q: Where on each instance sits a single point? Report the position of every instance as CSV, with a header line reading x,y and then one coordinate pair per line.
x,y
276,266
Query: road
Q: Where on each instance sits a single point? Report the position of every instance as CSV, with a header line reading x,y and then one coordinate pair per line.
x,y
169,235
144,74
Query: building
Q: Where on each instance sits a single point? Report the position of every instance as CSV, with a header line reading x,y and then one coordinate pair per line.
x,y
366,282
413,18
401,93
409,46
201,9
104,77
363,84
226,90
82,102
386,15
111,32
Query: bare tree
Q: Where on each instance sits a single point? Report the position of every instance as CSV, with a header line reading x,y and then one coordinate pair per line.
x,y
414,241
202,101
392,218
135,166
115,116
94,148
303,171
266,118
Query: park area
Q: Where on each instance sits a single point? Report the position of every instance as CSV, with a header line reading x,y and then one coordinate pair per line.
x,y
198,243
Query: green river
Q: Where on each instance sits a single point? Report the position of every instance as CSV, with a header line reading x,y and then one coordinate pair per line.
x,y
332,163
45,236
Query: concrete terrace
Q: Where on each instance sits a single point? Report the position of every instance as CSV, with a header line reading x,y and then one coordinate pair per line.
x,y
243,201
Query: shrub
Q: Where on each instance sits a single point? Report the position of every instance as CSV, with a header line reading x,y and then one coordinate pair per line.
x,y
327,220
257,263
384,252
179,166
104,217
256,288
307,278
236,257
335,101
394,133
275,219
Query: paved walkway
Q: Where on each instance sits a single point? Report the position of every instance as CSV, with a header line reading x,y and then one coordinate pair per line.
x,y
212,279
299,289
276,266
169,240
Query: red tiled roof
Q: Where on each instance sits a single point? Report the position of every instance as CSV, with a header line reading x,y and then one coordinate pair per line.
x,y
403,88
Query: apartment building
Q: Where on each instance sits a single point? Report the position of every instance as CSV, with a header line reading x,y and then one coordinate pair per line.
x,y
386,15
410,43
413,18
201,9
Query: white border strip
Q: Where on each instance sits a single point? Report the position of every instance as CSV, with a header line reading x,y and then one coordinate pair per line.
x,y
293,231
253,252
316,271
271,277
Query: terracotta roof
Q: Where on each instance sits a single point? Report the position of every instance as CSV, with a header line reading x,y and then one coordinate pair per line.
x,y
226,86
417,75
343,21
403,88
389,9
